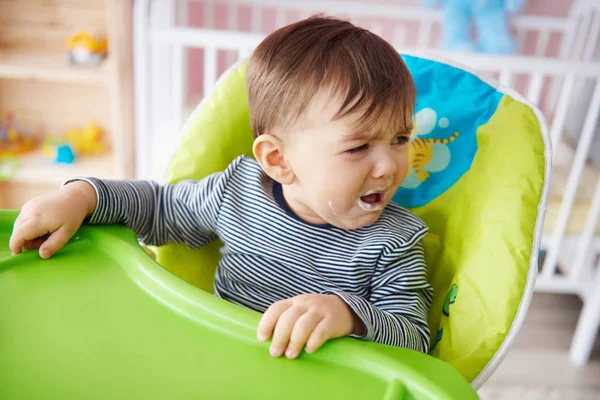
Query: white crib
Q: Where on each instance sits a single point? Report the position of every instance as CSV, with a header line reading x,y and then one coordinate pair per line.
x,y
564,83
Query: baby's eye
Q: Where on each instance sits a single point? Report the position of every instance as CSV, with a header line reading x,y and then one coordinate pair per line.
x,y
359,149
401,139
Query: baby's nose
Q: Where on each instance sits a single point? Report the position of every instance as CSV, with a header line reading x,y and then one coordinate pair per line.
x,y
385,166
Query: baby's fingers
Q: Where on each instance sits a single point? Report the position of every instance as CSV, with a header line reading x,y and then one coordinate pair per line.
x,y
318,336
269,319
56,241
301,332
21,219
283,330
26,231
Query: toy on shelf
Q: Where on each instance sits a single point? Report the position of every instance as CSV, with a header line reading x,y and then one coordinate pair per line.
x,y
86,49
490,19
75,142
87,140
13,140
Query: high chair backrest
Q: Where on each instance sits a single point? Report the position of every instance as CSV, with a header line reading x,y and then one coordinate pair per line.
x,y
479,172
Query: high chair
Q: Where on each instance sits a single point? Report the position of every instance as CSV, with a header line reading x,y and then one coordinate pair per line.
x,y
482,192
102,320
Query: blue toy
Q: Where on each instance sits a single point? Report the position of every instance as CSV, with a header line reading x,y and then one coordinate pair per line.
x,y
490,19
65,155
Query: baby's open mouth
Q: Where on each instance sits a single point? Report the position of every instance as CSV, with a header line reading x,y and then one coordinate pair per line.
x,y
373,200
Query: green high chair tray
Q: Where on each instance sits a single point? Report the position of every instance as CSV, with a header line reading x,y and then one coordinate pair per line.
x,y
102,320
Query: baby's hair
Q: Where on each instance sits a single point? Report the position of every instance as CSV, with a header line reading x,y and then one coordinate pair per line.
x,y
362,70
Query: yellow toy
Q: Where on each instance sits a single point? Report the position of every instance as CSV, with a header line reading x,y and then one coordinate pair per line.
x,y
86,49
74,143
87,140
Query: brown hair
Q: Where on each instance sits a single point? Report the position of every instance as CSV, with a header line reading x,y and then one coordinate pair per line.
x,y
295,62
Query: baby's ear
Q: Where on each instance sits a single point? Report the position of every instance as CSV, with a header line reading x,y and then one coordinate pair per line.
x,y
268,151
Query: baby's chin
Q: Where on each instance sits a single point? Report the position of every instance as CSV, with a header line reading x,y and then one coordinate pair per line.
x,y
356,222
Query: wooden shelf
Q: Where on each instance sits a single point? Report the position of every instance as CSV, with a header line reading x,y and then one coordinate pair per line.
x,y
49,95
52,67
36,169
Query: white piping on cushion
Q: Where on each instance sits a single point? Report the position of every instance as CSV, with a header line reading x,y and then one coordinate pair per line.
x,y
495,362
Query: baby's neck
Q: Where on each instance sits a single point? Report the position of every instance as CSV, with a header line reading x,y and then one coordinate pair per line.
x,y
293,200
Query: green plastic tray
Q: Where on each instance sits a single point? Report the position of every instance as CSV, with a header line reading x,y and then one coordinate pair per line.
x,y
102,320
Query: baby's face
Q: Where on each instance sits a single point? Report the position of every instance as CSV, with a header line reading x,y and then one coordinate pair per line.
x,y
344,176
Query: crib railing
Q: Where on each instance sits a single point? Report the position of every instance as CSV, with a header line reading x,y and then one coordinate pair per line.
x,y
549,75
574,38
401,26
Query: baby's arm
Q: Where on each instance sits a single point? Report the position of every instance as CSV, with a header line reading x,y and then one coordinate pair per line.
x,y
395,313
397,310
186,212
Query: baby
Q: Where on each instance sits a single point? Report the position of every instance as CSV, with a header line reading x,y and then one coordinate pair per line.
x,y
310,236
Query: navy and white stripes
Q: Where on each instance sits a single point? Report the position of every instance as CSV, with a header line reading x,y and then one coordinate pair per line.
x,y
270,255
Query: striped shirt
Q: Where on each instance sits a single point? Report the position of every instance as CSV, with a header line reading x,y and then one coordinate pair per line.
x,y
269,254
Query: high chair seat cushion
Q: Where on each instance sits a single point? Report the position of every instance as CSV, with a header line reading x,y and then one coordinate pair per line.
x,y
479,169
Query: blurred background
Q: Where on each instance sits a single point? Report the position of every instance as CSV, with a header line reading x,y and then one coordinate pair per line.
x,y
103,88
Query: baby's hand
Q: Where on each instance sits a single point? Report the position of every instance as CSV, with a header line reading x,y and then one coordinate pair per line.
x,y
49,221
309,319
